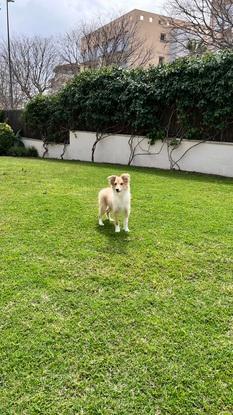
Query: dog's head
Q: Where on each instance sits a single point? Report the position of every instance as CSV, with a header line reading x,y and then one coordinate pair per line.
x,y
119,183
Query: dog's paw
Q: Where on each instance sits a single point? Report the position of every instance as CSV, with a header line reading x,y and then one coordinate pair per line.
x,y
117,229
126,230
101,223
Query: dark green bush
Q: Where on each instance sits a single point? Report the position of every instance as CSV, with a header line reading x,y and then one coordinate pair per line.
x,y
45,115
12,145
190,98
110,100
7,138
22,152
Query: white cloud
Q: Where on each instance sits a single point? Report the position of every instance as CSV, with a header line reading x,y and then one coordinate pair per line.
x,y
49,17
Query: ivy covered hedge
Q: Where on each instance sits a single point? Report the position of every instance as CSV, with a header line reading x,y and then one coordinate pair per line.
x,y
44,115
190,98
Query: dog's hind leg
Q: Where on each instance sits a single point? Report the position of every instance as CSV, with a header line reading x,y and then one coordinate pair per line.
x,y
102,210
108,214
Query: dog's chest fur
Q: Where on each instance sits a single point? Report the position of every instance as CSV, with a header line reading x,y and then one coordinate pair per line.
x,y
120,201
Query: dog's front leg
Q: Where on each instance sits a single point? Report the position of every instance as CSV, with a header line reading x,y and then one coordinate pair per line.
x,y
116,220
101,212
126,220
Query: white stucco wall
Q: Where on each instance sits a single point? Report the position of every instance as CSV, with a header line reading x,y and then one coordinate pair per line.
x,y
206,157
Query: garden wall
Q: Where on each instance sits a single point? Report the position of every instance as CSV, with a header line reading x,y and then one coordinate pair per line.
x,y
203,157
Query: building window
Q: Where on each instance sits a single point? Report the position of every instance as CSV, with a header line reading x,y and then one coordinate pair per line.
x,y
162,37
164,22
150,19
141,17
161,60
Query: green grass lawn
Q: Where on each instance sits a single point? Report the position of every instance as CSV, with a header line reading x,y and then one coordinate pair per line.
x,y
94,322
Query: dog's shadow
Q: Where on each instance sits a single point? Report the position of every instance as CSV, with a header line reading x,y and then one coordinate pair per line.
x,y
117,241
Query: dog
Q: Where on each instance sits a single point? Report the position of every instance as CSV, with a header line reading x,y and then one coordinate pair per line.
x,y
116,200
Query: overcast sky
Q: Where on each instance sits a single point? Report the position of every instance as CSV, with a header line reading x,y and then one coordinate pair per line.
x,y
48,17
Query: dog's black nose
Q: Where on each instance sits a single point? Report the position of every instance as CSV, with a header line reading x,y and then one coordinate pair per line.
x,y
117,190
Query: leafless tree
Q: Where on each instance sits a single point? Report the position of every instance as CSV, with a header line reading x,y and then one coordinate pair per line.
x,y
208,22
116,43
97,44
33,60
69,48
4,88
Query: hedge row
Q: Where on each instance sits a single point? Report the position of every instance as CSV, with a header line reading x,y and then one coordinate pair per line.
x,y
190,98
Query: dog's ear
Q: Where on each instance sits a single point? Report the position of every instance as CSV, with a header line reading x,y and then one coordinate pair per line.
x,y
111,180
125,178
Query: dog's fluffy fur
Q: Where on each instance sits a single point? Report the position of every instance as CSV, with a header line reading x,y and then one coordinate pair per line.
x,y
116,199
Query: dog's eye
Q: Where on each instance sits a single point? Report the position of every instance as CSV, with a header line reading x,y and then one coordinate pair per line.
x,y
115,184
122,184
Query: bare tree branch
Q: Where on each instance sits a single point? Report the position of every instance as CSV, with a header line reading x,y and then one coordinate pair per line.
x,y
69,48
206,23
18,98
33,61
116,43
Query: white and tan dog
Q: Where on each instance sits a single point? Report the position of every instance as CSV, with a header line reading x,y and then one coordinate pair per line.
x,y
116,200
